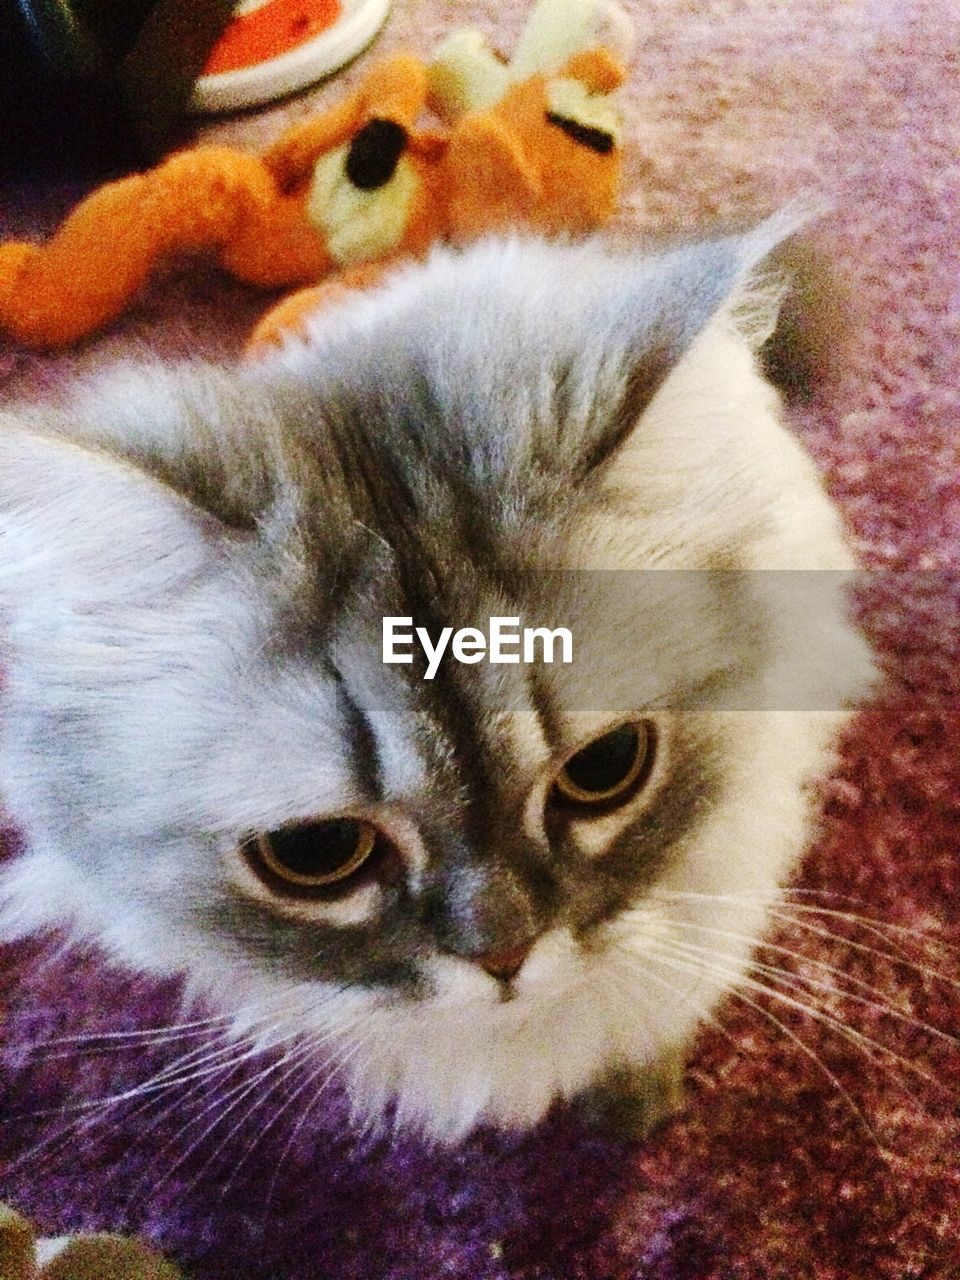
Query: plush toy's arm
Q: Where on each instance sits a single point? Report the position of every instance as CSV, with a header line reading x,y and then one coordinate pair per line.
x,y
288,318
395,89
464,75
554,32
103,253
588,40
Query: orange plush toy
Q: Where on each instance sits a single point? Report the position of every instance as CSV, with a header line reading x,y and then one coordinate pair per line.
x,y
533,142
258,215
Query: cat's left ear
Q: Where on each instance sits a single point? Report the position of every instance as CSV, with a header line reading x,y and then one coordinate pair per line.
x,y
651,317
84,533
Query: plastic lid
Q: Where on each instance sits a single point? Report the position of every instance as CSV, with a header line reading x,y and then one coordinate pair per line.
x,y
305,62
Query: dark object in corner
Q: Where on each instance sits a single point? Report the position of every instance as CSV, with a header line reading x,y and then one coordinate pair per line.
x,y
95,85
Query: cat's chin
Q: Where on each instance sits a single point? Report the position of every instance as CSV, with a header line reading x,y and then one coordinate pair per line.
x,y
481,1055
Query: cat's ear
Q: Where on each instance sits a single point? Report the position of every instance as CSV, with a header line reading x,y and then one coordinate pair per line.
x,y
651,317
82,530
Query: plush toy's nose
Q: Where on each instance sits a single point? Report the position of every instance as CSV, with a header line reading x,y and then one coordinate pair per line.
x,y
375,153
507,963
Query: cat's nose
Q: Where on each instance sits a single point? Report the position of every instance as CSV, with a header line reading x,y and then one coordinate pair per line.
x,y
506,963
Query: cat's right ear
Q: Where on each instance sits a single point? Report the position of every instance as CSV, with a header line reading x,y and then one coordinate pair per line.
x,y
652,315
84,531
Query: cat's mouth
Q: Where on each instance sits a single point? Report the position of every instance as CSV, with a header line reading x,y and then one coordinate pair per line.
x,y
552,966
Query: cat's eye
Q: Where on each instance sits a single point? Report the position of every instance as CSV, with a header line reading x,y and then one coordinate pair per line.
x,y
311,855
608,770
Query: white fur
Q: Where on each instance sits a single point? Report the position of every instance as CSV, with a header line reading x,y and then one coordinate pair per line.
x,y
174,641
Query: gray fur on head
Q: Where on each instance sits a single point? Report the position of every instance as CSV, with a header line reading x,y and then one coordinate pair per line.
x,y
194,565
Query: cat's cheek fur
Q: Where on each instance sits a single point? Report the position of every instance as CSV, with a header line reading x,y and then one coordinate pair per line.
x,y
173,601
468,1057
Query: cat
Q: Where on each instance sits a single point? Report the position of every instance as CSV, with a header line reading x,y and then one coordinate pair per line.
x,y
487,891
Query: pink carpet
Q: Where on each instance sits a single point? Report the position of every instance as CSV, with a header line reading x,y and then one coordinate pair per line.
x,y
823,1147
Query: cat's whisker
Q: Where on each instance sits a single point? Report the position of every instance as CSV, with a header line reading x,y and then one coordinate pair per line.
x,y
863,1041
39,1156
209,1088
198,1068
198,1027
292,1033
294,1066
891,957
91,1114
793,915
223,1107
882,1003
288,1064
172,1096
780,901
731,988
148,1036
348,1032
182,1071
810,986
282,1110
252,1047
104,1051
808,905
887,932
331,1072
761,891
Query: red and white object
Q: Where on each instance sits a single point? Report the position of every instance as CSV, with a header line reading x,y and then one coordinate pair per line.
x,y
274,47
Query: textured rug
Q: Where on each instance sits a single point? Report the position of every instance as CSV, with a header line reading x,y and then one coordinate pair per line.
x,y
818,1143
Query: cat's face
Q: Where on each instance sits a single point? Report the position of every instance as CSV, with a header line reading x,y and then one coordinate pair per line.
x,y
484,890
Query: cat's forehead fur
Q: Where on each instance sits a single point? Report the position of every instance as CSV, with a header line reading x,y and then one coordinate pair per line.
x,y
465,416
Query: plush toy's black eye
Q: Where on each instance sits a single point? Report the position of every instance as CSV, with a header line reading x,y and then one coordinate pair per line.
x,y
375,153
599,140
608,770
311,855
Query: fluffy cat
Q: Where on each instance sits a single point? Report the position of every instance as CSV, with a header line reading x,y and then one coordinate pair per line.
x,y
475,893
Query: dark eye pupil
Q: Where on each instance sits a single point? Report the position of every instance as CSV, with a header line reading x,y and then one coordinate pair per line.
x,y
310,856
317,849
604,764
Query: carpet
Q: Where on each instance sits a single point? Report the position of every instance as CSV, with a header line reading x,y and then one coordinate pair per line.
x,y
821,1145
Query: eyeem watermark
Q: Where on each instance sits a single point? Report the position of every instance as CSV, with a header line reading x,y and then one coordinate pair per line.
x,y
505,641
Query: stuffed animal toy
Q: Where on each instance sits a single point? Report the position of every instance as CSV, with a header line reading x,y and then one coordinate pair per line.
x,y
534,142
536,139
92,1257
262,217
